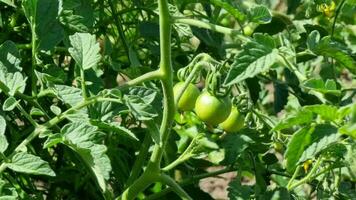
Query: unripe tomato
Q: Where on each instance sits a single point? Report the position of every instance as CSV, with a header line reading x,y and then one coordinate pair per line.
x,y
234,122
211,109
190,95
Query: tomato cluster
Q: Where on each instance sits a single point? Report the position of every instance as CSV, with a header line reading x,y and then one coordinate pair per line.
x,y
211,109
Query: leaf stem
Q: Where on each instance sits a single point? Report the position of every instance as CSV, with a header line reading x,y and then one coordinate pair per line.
x,y
83,84
190,181
34,57
27,116
143,78
306,179
175,187
292,67
213,27
296,172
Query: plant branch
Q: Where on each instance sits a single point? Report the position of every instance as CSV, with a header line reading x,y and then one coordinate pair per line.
x,y
306,179
166,81
191,181
34,57
175,187
213,27
143,78
83,84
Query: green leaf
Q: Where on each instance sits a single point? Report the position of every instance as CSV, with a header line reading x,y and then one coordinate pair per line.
x,y
36,112
299,141
2,125
9,2
105,111
299,118
15,83
154,131
230,9
9,104
313,39
330,48
80,138
323,136
115,127
308,142
3,141
234,145
30,164
11,79
43,16
85,50
350,159
257,57
77,15
238,191
139,108
328,87
9,58
349,129
73,21
260,15
55,109
326,112
52,140
69,95
7,191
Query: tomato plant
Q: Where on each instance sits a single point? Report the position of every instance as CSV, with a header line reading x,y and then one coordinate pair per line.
x,y
89,108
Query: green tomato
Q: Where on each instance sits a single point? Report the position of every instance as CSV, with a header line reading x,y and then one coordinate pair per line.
x,y
190,95
234,122
211,109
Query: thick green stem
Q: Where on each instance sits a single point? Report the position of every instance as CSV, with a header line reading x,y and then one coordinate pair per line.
x,y
166,80
165,73
140,184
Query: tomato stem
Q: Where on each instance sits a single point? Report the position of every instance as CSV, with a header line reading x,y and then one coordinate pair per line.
x,y
213,27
